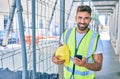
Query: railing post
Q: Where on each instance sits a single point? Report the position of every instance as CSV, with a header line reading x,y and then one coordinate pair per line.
x,y
62,27
21,32
53,11
33,39
9,23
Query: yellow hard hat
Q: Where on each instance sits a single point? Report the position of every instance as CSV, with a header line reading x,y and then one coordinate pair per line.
x,y
64,53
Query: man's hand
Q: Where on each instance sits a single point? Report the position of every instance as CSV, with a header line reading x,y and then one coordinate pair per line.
x,y
56,60
96,66
80,62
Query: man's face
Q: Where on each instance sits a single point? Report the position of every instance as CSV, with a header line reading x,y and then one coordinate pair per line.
x,y
83,19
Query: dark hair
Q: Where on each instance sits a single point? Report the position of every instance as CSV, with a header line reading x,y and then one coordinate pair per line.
x,y
84,8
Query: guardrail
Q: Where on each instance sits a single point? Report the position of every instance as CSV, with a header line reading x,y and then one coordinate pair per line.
x,y
11,58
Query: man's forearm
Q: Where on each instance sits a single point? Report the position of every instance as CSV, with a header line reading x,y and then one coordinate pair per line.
x,y
93,66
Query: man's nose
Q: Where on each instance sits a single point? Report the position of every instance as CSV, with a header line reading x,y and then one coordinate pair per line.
x,y
82,20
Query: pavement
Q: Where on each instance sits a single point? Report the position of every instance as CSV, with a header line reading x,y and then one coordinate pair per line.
x,y
111,65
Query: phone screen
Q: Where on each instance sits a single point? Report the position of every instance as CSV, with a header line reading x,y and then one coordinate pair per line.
x,y
79,56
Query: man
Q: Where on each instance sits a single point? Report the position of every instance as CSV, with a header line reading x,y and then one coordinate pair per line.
x,y
82,41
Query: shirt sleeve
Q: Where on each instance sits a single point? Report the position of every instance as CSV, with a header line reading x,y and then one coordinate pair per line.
x,y
99,48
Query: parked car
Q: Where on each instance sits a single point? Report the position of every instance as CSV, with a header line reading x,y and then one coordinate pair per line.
x,y
13,39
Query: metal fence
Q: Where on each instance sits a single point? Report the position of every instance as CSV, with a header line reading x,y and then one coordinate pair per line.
x,y
11,60
47,40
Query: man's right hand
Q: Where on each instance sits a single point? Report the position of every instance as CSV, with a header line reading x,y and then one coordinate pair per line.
x,y
56,60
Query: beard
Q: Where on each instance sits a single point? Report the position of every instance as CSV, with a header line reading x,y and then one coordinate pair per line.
x,y
82,28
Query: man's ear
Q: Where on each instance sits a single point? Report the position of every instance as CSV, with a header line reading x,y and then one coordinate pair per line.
x,y
91,19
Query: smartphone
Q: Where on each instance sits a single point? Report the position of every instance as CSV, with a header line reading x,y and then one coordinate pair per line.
x,y
79,56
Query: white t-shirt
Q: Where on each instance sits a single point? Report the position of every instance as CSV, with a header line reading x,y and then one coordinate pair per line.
x,y
79,36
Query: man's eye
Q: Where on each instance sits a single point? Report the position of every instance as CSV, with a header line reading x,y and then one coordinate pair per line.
x,y
86,17
80,17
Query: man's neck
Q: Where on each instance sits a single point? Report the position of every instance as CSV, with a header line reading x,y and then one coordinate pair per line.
x,y
82,32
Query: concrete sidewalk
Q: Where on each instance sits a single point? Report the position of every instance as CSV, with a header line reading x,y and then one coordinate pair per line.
x,y
111,66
